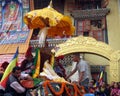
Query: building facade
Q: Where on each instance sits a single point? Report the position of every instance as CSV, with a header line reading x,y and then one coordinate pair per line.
x,y
99,19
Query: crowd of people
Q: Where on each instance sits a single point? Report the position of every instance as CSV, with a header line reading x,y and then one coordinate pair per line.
x,y
91,85
14,87
104,89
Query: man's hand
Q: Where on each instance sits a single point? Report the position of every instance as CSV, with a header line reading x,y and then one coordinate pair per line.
x,y
32,67
66,78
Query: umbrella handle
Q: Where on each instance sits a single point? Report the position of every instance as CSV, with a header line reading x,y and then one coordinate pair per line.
x,y
42,35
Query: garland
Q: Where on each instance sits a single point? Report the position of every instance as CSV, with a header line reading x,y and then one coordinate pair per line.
x,y
83,89
45,87
57,93
77,92
68,94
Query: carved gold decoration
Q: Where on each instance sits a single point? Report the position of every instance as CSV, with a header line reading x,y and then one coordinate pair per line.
x,y
91,45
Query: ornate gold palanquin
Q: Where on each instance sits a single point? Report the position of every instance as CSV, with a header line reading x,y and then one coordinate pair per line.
x,y
90,45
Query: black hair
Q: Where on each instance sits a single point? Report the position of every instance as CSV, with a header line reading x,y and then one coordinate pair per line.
x,y
4,65
16,68
76,54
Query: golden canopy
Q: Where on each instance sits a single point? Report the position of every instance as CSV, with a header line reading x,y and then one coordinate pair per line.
x,y
49,17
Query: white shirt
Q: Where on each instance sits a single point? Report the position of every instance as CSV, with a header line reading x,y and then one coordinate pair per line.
x,y
17,87
83,66
75,76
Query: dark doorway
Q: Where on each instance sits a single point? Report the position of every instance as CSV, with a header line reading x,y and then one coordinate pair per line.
x,y
57,4
96,71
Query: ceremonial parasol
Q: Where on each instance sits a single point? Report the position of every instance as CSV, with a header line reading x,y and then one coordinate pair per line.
x,y
57,23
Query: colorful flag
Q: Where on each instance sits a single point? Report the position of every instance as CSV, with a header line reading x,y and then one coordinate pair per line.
x,y
101,77
52,60
8,70
96,84
100,80
37,60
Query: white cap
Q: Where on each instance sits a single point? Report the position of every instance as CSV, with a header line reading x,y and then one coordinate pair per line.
x,y
81,57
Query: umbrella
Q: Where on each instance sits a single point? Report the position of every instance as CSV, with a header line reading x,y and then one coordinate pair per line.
x,y
58,23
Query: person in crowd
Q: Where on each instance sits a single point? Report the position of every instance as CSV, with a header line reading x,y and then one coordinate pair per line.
x,y
112,85
2,68
119,84
107,90
92,86
119,92
115,90
13,86
58,67
1,72
4,65
27,64
102,90
83,70
74,77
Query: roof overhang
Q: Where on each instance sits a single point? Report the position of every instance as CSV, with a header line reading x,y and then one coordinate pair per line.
x,y
90,14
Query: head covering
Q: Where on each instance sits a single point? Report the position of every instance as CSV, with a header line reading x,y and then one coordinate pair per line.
x,y
81,57
29,52
4,65
60,57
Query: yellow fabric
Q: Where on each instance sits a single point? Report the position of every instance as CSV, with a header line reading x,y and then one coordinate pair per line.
x,y
50,13
37,67
52,60
49,17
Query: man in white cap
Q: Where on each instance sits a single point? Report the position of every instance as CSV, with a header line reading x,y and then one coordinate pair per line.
x,y
83,71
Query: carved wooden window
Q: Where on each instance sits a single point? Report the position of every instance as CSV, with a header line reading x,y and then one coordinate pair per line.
x,y
93,28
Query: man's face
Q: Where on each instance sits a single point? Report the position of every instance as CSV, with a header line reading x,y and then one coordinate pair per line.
x,y
17,73
75,59
29,58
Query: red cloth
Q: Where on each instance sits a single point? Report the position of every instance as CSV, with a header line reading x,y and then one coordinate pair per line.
x,y
60,57
29,52
114,92
27,83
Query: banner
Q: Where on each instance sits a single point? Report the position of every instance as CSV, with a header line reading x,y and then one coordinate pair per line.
x,y
12,28
8,58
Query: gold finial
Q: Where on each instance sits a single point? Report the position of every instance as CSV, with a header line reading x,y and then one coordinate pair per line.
x,y
50,4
